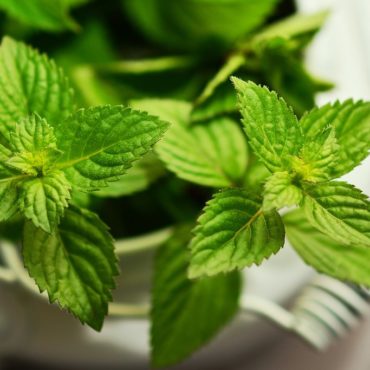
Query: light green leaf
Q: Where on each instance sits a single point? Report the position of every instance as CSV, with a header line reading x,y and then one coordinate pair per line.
x,y
43,199
211,154
34,145
317,157
30,83
186,314
233,232
8,200
338,210
32,134
75,264
351,122
281,192
49,15
100,143
137,178
339,260
295,26
271,126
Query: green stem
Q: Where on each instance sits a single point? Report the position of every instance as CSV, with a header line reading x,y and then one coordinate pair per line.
x,y
149,65
234,62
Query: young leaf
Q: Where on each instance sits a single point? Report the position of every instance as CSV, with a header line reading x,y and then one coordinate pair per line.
x,y
351,122
211,153
280,192
34,145
43,199
30,83
186,314
318,157
338,210
99,144
44,14
271,126
32,134
75,264
325,254
233,232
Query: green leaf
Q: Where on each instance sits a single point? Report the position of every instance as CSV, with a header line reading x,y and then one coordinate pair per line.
x,y
318,157
100,143
176,24
186,314
339,260
32,134
43,199
43,14
137,178
75,264
233,232
30,83
8,200
351,122
338,210
211,154
292,27
272,128
34,143
281,192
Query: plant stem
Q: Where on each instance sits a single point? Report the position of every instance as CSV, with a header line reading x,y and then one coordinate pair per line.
x,y
149,65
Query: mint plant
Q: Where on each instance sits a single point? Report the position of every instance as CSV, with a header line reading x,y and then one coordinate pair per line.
x,y
49,151
239,228
69,151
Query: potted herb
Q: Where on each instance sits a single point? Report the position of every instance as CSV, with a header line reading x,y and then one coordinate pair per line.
x,y
180,146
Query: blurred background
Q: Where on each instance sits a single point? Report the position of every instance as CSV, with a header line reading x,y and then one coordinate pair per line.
x,y
117,51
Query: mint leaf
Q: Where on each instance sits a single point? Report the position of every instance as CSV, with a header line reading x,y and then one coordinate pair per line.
x,y
351,122
271,126
186,314
339,210
30,83
233,232
75,264
138,178
280,192
297,27
318,157
100,143
8,200
43,14
211,153
43,199
34,145
32,134
339,260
